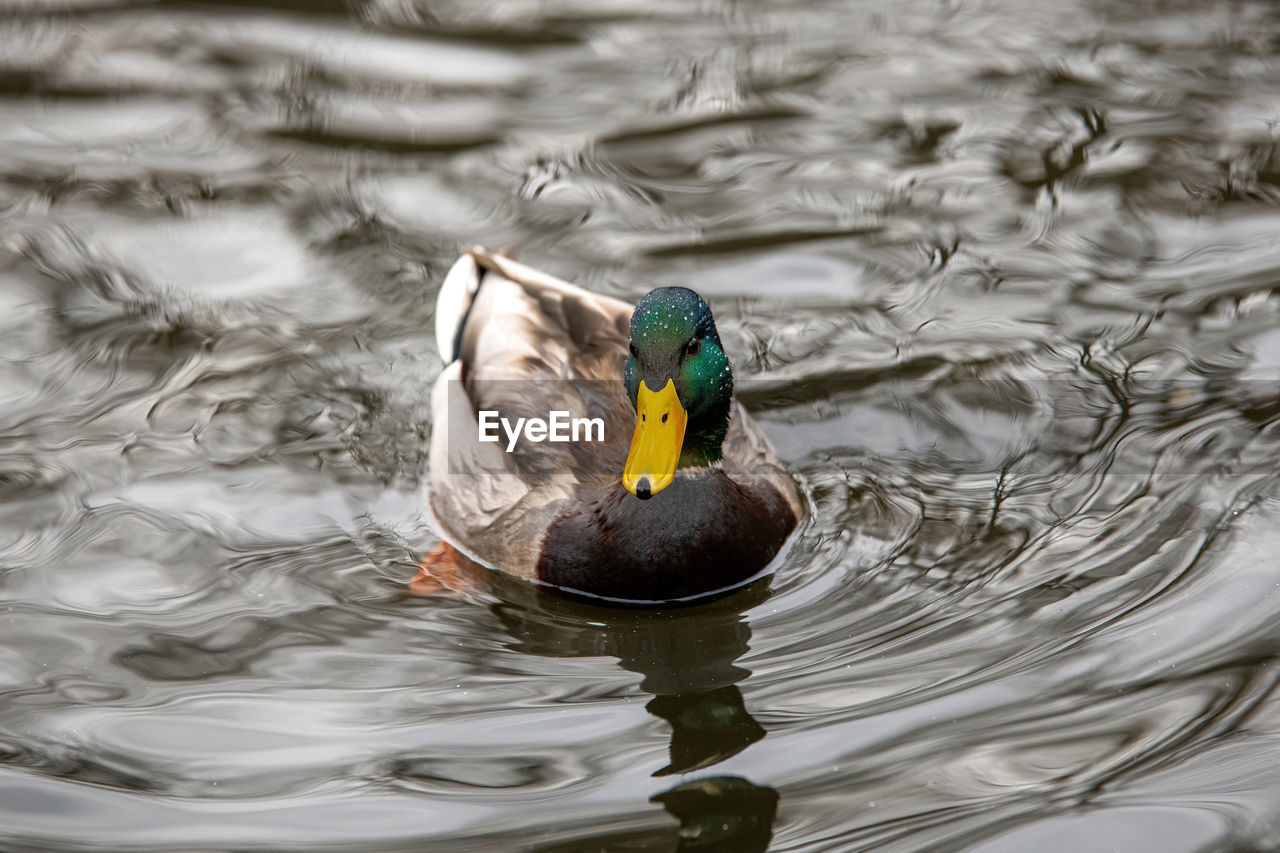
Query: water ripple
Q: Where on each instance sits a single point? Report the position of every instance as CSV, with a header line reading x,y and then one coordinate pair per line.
x,y
999,280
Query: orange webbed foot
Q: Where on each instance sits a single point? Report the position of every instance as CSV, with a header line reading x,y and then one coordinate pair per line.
x,y
441,570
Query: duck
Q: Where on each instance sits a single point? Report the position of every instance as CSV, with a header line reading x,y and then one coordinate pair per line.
x,y
669,493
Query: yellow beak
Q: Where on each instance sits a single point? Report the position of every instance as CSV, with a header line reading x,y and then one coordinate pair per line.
x,y
657,441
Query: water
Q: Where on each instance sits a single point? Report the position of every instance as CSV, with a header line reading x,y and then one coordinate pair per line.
x,y
999,278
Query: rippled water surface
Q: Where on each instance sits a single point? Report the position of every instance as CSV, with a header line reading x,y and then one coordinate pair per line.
x,y
1000,278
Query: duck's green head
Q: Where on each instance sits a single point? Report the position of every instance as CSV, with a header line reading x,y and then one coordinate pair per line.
x,y
681,385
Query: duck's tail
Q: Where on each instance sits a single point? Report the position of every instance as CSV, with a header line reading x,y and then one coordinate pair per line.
x,y
457,293
575,312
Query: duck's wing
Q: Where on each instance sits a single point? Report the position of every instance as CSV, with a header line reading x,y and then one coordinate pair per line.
x,y
523,344
750,460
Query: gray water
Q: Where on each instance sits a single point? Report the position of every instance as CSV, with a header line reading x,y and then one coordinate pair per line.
x,y
1000,278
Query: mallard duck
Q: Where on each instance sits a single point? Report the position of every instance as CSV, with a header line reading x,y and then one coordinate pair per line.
x,y
681,497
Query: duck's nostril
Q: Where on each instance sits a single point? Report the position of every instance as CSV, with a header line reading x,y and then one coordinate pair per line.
x,y
664,417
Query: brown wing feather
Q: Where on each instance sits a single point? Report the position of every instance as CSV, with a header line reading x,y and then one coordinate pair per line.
x,y
530,344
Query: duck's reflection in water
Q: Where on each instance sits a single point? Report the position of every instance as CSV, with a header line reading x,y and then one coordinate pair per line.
x,y
688,660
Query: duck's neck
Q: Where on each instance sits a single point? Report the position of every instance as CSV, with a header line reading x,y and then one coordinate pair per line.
x,y
704,438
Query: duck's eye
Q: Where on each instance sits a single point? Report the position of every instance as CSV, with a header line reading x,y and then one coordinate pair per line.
x,y
692,347
632,347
